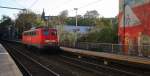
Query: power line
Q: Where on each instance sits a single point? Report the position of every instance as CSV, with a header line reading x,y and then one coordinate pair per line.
x,y
91,3
18,3
13,8
63,3
66,2
33,3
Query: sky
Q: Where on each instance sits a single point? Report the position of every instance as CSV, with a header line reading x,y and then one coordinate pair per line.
x,y
106,8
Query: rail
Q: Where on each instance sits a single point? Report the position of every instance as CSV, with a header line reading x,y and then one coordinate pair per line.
x,y
23,69
54,73
15,50
110,68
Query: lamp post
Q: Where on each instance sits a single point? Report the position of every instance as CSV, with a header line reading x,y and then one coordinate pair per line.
x,y
124,19
76,9
124,26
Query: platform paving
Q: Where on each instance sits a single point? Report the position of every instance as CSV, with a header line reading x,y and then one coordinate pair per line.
x,y
7,65
132,59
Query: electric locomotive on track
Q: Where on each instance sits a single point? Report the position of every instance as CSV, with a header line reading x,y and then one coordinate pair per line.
x,y
41,38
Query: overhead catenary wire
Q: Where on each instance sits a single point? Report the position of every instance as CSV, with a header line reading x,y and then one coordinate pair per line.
x,y
63,3
91,3
66,2
87,5
13,8
18,4
33,3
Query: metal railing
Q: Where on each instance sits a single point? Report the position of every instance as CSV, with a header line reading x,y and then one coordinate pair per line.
x,y
133,50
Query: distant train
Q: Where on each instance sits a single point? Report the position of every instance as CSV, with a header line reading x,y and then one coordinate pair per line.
x,y
41,38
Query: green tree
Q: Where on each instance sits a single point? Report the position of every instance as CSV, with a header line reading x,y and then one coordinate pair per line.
x,y
105,35
25,20
65,36
53,21
89,19
5,22
105,31
5,25
91,14
63,16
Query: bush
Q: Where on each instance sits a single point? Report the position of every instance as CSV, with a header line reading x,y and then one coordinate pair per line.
x,y
105,35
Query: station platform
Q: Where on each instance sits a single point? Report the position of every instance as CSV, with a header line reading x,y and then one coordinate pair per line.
x,y
7,65
110,56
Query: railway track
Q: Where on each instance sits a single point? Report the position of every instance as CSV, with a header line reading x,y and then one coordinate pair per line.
x,y
115,67
31,66
58,66
70,66
100,67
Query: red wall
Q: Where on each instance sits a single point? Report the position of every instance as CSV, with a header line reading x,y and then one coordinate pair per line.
x,y
142,12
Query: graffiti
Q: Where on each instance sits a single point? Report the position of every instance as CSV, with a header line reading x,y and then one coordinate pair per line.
x,y
131,3
136,21
130,18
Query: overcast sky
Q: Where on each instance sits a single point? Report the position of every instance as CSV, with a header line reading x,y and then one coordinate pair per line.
x,y
106,8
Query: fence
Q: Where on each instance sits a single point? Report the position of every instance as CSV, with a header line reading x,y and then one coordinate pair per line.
x,y
133,50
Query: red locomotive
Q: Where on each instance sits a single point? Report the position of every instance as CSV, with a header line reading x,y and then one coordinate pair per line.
x,y
41,38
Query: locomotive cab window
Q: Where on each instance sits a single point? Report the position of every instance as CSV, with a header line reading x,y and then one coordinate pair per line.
x,y
28,33
33,33
53,33
24,34
46,32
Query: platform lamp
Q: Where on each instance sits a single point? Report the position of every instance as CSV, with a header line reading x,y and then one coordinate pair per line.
x,y
124,24
76,38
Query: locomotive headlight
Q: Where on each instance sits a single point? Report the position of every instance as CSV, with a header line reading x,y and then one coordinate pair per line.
x,y
53,41
47,41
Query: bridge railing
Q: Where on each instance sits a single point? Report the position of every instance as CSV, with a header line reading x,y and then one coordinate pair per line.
x,y
133,50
